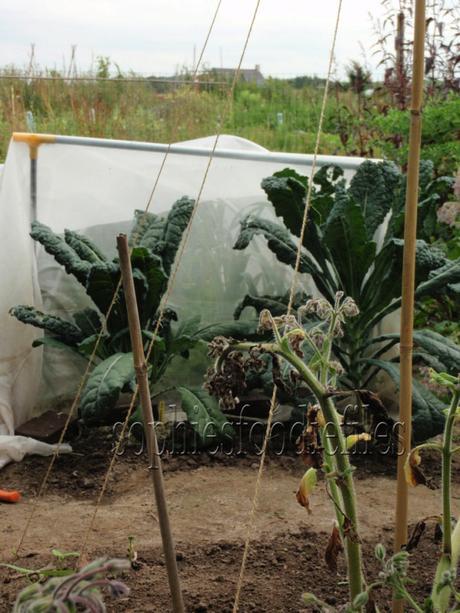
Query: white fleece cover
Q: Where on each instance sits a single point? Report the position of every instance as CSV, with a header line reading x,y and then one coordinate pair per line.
x,y
95,191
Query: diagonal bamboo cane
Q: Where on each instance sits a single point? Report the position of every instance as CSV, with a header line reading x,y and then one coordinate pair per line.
x,y
408,279
140,366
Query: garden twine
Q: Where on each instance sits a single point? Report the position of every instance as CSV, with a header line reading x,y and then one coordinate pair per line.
x,y
255,499
85,375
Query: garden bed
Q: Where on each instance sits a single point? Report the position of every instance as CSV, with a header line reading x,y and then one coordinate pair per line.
x,y
209,498
279,569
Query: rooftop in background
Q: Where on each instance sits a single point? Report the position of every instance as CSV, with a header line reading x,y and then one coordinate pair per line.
x,y
248,75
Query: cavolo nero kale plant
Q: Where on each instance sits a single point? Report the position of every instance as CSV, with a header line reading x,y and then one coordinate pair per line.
x,y
340,251
156,239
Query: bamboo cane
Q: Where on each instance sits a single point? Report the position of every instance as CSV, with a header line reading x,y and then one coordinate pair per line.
x,y
140,367
408,279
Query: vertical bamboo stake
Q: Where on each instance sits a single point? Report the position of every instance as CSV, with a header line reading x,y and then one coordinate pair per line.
x,y
408,278
146,403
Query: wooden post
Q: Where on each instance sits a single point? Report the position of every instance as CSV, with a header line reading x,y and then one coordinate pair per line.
x,y
146,402
408,279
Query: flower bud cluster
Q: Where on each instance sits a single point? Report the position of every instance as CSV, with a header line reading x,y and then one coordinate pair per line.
x,y
324,310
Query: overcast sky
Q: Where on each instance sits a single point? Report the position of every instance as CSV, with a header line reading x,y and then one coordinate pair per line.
x,y
290,37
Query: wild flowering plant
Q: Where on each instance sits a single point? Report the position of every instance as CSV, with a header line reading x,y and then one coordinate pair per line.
x,y
307,351
444,592
444,596
80,591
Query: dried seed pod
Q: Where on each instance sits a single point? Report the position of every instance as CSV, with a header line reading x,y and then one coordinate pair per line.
x,y
296,341
265,320
218,346
228,381
337,367
349,307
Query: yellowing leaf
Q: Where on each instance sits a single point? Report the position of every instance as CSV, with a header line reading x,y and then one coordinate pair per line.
x,y
414,476
353,439
307,485
320,419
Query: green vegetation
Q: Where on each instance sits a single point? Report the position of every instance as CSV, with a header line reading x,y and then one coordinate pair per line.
x,y
349,215
83,590
395,569
326,447
157,240
440,133
157,111
280,114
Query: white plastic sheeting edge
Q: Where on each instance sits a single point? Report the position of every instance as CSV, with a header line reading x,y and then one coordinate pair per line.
x,y
20,364
14,448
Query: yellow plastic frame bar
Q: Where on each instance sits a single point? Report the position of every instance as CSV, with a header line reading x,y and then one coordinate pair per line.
x,y
34,141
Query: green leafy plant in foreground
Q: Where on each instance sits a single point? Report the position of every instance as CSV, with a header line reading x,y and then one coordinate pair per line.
x,y
340,252
80,591
157,239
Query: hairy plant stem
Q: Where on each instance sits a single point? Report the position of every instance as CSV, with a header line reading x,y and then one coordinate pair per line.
x,y
446,475
344,479
341,479
328,450
346,486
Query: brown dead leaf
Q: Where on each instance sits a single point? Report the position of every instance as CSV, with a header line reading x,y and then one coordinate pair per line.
x,y
309,442
413,472
306,487
416,535
334,547
349,530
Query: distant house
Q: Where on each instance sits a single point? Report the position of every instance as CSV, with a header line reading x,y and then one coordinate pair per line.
x,y
247,75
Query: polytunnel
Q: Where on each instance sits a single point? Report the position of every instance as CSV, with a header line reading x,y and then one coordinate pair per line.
x,y
94,186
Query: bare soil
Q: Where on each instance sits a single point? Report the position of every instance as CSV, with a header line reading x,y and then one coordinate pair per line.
x,y
209,499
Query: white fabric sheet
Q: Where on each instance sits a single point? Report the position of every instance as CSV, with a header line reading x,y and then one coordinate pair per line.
x,y
95,191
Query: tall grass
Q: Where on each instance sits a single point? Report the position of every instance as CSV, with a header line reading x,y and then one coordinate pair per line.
x,y
278,115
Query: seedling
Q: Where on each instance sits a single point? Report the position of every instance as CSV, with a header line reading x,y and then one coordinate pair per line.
x,y
132,553
57,568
